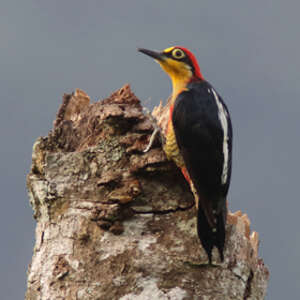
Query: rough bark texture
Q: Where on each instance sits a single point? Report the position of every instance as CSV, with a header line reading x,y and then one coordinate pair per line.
x,y
116,223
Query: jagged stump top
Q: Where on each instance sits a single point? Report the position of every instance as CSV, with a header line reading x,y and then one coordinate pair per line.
x,y
114,222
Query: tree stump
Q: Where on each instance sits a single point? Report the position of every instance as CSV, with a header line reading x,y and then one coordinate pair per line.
x,y
114,222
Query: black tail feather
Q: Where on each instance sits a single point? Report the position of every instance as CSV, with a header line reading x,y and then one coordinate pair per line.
x,y
221,231
210,237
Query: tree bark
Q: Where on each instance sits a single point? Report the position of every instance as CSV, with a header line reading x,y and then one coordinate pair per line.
x,y
114,222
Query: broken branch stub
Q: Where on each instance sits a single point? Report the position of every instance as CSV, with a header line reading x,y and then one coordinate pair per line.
x,y
114,222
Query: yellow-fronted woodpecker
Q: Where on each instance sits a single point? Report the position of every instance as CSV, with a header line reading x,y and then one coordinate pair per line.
x,y
199,141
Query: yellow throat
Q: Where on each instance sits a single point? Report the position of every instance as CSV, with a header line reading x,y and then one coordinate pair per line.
x,y
179,72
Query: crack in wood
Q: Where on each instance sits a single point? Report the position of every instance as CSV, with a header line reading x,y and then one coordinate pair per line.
x,y
163,212
248,285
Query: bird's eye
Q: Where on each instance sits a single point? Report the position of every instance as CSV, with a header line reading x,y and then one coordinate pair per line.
x,y
178,53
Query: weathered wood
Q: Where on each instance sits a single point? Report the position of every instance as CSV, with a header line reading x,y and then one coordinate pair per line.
x,y
116,223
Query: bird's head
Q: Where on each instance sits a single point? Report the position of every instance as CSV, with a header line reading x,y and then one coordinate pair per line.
x,y
178,62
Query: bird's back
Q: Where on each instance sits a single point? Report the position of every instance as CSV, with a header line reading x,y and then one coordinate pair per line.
x,y
203,133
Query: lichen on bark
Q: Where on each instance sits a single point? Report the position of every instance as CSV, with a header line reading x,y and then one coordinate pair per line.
x,y
114,222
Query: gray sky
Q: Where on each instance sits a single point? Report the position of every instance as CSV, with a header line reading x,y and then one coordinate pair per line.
x,y
249,51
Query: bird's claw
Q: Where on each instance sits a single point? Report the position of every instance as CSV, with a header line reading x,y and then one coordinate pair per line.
x,y
157,130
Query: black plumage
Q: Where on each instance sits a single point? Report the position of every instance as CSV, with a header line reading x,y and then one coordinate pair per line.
x,y
201,121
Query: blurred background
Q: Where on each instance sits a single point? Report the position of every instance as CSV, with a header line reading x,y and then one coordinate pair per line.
x,y
249,51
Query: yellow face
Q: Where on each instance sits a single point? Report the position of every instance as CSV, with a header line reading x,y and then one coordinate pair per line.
x,y
178,70
175,62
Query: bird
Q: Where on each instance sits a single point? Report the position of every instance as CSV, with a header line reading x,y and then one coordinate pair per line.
x,y
199,140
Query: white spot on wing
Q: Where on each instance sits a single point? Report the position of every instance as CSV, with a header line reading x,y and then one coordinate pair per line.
x,y
222,114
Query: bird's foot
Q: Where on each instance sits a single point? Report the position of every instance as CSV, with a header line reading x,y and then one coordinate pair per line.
x,y
157,130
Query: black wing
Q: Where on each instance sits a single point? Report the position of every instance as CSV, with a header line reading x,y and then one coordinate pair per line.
x,y
200,135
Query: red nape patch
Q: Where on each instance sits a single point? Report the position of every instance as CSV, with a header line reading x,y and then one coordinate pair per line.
x,y
192,57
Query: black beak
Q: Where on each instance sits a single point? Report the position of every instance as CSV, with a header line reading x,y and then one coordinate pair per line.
x,y
153,54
